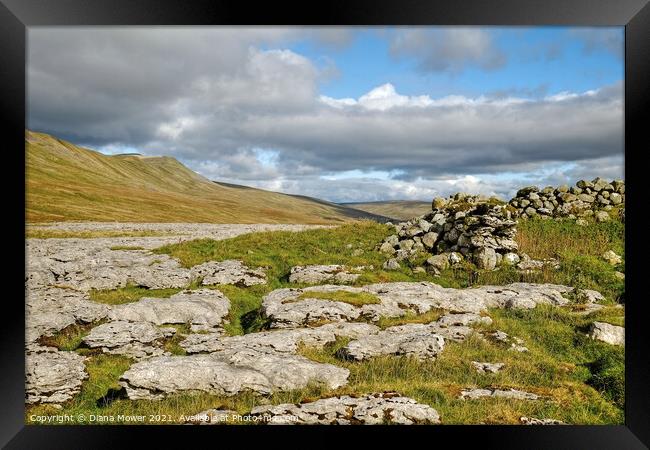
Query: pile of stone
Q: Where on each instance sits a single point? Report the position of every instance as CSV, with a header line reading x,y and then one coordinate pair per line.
x,y
586,198
475,227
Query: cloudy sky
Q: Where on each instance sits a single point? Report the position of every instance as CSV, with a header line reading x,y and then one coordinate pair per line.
x,y
343,114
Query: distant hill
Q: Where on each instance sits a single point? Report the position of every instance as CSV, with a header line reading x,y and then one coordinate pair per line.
x,y
65,182
399,209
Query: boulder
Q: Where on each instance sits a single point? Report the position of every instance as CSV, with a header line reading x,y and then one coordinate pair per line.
x,y
228,272
53,376
227,373
315,274
203,309
608,333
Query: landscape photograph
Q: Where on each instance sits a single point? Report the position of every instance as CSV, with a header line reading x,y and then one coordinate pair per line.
x,y
264,225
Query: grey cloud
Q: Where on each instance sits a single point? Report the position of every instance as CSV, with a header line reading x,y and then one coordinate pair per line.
x,y
212,99
448,49
607,39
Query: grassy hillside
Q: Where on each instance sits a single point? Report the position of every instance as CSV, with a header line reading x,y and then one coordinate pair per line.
x,y
70,183
397,209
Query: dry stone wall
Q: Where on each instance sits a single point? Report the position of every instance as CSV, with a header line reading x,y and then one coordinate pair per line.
x,y
587,198
463,226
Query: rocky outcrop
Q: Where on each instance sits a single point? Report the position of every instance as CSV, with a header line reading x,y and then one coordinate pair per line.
x,y
586,198
204,310
372,409
52,376
228,272
422,341
608,333
137,340
463,226
227,372
285,310
286,341
316,274
52,309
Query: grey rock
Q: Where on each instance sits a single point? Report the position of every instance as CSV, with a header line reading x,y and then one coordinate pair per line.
x,y
372,409
386,247
608,333
53,376
511,259
204,310
285,340
227,373
485,258
228,272
135,339
485,367
439,262
391,264
612,258
429,239
419,342
315,274
510,393
602,216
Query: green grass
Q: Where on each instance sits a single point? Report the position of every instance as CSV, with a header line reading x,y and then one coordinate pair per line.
x,y
128,294
555,238
351,298
68,338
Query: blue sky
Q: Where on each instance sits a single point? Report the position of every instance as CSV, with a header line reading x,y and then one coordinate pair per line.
x,y
544,60
344,114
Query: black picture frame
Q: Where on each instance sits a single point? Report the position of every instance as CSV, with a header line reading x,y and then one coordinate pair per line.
x,y
17,15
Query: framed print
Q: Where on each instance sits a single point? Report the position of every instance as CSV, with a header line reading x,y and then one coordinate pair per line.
x,y
252,220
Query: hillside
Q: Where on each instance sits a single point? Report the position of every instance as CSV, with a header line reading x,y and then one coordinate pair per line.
x,y
399,209
69,183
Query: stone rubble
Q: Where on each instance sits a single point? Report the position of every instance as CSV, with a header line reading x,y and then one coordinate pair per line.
x,y
372,409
